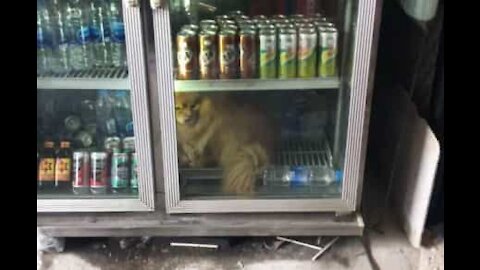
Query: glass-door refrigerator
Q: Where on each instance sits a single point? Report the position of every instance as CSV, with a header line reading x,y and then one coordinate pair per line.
x,y
264,104
93,131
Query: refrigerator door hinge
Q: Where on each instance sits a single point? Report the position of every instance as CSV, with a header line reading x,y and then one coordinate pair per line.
x,y
155,4
132,3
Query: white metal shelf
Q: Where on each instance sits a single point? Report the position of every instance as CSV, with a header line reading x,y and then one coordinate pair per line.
x,y
92,79
256,84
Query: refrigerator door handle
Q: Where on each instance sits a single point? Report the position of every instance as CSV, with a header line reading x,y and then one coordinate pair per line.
x,y
155,4
132,3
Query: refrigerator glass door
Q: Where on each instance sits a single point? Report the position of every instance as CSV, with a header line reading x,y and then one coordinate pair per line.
x,y
93,144
256,103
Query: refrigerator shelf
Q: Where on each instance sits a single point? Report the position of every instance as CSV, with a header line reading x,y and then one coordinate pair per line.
x,y
92,79
256,84
204,182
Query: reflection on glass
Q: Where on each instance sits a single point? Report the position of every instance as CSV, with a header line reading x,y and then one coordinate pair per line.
x,y
85,143
267,144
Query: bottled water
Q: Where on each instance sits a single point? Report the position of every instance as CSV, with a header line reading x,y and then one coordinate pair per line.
x,y
284,175
77,23
59,60
106,125
117,29
44,49
122,112
100,32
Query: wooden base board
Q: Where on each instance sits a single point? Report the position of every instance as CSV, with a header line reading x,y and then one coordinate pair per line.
x,y
161,224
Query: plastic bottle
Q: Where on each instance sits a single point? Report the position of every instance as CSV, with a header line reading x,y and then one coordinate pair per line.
x,y
100,32
285,175
106,125
77,23
117,34
60,61
44,50
122,112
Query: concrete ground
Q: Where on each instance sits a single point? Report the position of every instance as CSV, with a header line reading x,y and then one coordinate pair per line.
x,y
386,248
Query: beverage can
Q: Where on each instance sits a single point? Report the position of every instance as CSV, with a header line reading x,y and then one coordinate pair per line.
x,y
187,54
134,171
192,27
220,18
267,53
248,53
119,171
287,47
112,144
83,139
228,54
328,52
63,166
307,52
98,173
207,23
208,58
72,123
81,170
129,144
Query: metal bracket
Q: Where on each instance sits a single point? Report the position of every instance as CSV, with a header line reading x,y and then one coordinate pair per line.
x,y
132,3
155,4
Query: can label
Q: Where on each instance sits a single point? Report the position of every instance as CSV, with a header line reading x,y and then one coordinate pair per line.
x,y
287,66
80,169
119,174
134,171
46,169
62,169
208,56
228,51
98,177
248,56
328,54
187,55
307,55
268,56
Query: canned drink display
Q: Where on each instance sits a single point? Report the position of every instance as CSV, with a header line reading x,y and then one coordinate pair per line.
x,y
248,53
328,52
187,53
307,52
81,172
119,172
287,50
208,59
133,171
228,54
98,172
267,53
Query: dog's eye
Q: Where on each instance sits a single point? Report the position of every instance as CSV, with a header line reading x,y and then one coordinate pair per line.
x,y
177,108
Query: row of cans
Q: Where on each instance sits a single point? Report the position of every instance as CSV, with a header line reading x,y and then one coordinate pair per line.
x,y
114,169
237,46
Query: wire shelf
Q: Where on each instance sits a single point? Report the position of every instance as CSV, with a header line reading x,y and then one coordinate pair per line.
x,y
93,79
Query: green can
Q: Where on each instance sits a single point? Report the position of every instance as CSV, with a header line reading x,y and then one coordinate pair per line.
x,y
267,53
328,52
133,171
119,171
287,50
307,52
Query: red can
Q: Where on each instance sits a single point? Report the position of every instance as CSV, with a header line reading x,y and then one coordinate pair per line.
x,y
248,53
228,54
81,171
187,54
99,172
